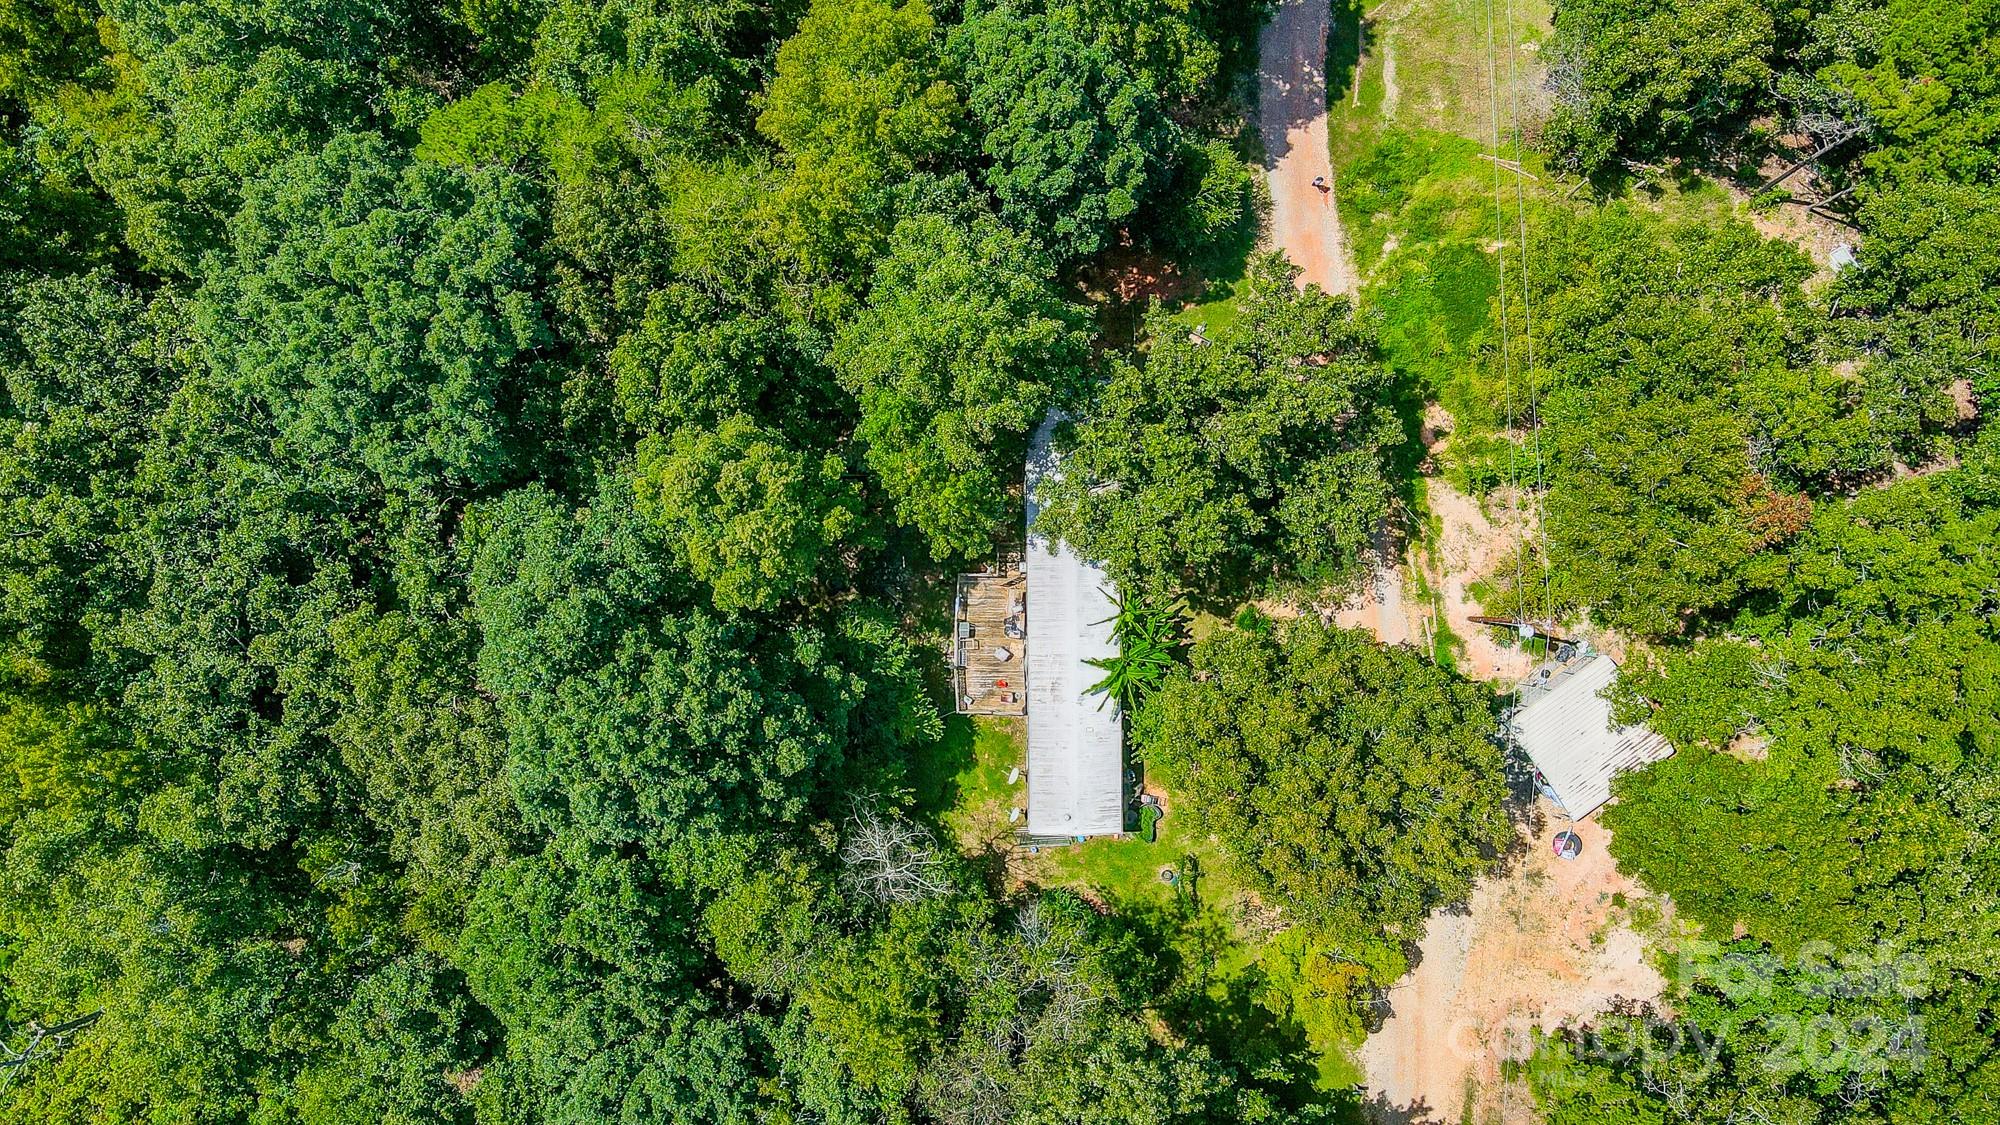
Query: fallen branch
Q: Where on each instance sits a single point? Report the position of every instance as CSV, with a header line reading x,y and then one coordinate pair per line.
x,y
1822,150
1513,166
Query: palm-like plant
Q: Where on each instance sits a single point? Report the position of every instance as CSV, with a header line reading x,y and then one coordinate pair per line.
x,y
1148,632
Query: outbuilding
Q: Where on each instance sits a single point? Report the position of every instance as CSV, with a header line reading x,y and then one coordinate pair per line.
x,y
1564,725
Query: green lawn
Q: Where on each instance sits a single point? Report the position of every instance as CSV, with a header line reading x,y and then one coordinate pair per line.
x,y
1418,197
1445,74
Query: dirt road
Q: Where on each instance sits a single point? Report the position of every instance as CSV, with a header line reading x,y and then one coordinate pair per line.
x,y
1546,942
1291,119
1379,605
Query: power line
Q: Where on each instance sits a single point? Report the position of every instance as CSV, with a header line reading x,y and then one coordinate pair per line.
x,y
1506,325
1528,322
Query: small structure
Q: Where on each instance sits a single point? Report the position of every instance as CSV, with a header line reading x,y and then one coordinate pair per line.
x,y
1076,739
1564,724
989,667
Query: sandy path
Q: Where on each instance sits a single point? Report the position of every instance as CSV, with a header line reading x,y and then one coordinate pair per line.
x,y
1379,606
1291,120
1521,956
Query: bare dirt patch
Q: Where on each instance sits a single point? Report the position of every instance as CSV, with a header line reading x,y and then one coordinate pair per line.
x,y
1472,546
1547,942
1791,223
1126,275
1469,542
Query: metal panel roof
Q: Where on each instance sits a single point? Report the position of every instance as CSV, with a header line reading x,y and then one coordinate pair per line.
x,y
1566,728
1076,767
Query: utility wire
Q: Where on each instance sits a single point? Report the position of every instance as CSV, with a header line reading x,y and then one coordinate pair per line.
x,y
1506,326
1528,323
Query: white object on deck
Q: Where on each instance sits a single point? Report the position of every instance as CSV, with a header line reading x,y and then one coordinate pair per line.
x,y
1076,742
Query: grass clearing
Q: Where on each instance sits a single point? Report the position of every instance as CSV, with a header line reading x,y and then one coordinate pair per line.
x,y
1425,64
1413,143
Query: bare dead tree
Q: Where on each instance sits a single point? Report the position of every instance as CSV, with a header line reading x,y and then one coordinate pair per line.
x,y
38,1042
972,1089
1055,974
1047,954
888,859
1564,81
1677,1094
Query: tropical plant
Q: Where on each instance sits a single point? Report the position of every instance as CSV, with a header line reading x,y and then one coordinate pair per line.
x,y
1148,632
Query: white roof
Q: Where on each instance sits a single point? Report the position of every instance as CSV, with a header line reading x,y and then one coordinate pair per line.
x,y
1566,728
1076,766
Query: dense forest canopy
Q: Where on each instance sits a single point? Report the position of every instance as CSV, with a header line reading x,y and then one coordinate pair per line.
x,y
473,475
1810,532
479,480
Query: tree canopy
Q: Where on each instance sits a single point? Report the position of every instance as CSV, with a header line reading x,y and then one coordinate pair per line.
x,y
470,479
1355,785
1219,465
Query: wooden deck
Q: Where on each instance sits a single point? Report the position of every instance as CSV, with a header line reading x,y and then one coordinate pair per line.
x,y
989,658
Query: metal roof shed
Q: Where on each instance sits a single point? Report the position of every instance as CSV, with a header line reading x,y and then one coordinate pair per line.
x,y
1076,740
1564,724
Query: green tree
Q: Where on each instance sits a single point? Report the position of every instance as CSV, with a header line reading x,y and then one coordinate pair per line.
x,y
1830,801
386,312
632,718
1685,422
964,345
744,512
1226,463
44,43
588,967
1356,784
87,365
427,750
863,79
1927,86
207,95
404,1050
694,360
1654,78
1923,294
1076,143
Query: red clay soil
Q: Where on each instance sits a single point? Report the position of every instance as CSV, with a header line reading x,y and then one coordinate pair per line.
x,y
1291,120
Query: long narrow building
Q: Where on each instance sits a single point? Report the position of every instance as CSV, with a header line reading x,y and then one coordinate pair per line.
x,y
1076,743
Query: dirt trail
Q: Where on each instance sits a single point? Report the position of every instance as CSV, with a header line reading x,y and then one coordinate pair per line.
x,y
1379,606
1469,546
1543,941
1291,120
1540,945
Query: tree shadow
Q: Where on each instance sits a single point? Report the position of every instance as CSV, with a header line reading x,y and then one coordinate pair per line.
x,y
1377,1109
1288,97
933,770
1198,982
1347,40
